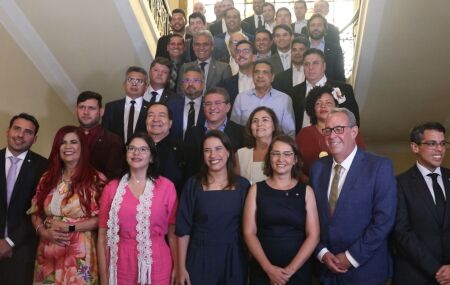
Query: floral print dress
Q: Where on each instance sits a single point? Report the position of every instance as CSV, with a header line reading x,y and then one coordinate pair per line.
x,y
76,263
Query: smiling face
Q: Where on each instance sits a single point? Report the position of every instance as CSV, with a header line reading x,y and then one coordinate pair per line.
x,y
263,43
297,51
427,156
282,158
203,47
282,39
323,106
215,155
196,25
232,20
268,14
139,155
340,145
20,136
158,122
262,125
257,6
177,22
70,149
215,108
175,47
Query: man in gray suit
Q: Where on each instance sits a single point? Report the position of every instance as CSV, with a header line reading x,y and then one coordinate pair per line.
x,y
214,71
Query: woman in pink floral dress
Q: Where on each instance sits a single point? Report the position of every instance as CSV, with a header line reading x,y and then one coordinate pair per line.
x,y
64,213
136,213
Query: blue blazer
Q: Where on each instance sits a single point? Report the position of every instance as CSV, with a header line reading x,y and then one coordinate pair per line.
x,y
363,219
176,107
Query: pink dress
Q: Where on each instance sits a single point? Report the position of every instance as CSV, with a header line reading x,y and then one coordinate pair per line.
x,y
163,213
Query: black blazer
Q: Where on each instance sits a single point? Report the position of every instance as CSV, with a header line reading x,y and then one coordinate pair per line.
x,y
334,59
176,106
283,82
251,23
161,48
299,95
277,65
113,117
231,84
422,244
331,36
19,268
216,28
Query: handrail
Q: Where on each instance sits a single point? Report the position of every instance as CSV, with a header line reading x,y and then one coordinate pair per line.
x,y
353,20
161,14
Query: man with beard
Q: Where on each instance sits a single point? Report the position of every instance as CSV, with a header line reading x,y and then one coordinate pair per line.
x,y
159,75
286,80
186,110
323,7
20,171
282,37
178,26
317,29
105,148
257,20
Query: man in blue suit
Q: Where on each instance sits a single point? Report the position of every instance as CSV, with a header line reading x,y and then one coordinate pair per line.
x,y
356,199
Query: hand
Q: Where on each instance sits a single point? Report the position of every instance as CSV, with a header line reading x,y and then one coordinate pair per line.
x,y
58,237
332,263
443,275
183,277
57,225
344,263
173,277
277,275
5,249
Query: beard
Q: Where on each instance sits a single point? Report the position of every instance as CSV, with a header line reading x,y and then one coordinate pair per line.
x,y
317,35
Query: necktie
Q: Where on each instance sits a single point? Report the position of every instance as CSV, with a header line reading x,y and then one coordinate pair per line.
x,y
334,192
130,120
438,196
260,24
11,178
191,116
202,66
173,77
153,99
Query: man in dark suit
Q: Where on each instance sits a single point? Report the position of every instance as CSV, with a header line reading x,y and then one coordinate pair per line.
x,y
215,71
334,57
219,27
20,171
177,49
243,80
159,75
178,26
286,80
126,116
323,7
300,10
282,37
257,20
315,68
106,148
422,229
197,23
186,109
356,201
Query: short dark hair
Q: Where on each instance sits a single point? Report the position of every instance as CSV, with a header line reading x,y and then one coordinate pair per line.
x,y
178,11
137,69
175,36
194,68
295,170
198,15
27,117
252,46
169,112
268,4
312,98
284,27
153,170
417,132
229,9
161,60
301,2
263,61
320,16
314,51
86,95
218,90
283,9
301,40
263,30
250,140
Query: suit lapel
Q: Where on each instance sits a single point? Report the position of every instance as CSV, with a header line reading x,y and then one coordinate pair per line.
x,y
23,176
121,110
446,180
2,179
211,74
424,192
323,185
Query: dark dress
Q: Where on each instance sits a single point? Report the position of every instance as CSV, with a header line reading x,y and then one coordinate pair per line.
x,y
213,220
280,219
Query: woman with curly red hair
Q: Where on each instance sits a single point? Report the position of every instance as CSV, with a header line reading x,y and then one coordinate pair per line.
x,y
64,213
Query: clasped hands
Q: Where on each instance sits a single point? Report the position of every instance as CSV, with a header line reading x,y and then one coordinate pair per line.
x,y
57,231
336,263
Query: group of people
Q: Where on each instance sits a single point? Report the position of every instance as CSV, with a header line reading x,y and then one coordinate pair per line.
x,y
199,176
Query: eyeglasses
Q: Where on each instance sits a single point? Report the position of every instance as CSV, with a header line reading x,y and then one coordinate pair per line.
x,y
338,130
435,144
135,81
215,104
142,149
192,80
285,154
244,51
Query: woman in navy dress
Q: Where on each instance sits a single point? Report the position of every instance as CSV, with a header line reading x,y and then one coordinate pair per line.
x,y
281,225
209,219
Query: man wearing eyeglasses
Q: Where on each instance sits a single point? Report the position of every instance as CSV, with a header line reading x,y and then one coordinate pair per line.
x,y
126,116
356,199
422,229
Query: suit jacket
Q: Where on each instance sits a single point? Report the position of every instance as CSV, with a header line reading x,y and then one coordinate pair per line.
x,y
113,117
216,28
231,84
283,82
251,23
19,268
107,153
334,59
363,218
277,65
331,36
176,106
167,95
161,48
299,95
217,72
422,244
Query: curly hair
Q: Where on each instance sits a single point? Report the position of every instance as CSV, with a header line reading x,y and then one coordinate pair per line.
x,y
312,98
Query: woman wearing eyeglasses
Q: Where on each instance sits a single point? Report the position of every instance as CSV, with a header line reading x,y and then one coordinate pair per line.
x,y
209,219
310,140
136,213
261,127
281,225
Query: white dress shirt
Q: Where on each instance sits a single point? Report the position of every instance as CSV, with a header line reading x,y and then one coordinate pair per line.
x,y
137,110
187,106
298,75
245,82
424,171
148,94
285,59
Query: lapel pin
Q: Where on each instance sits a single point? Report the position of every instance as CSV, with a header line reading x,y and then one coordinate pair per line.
x,y
29,160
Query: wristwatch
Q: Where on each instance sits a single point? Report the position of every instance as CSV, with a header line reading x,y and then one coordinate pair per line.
x,y
71,228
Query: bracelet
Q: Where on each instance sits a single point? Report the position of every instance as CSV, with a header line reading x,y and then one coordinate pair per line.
x,y
38,226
